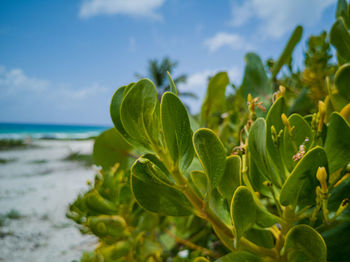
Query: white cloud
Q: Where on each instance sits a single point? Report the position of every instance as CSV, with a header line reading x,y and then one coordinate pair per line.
x,y
197,83
137,8
222,39
279,16
27,98
13,81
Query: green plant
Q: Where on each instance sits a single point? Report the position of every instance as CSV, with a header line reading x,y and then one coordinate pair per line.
x,y
250,185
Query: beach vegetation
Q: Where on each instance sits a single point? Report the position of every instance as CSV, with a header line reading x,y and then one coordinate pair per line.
x,y
259,175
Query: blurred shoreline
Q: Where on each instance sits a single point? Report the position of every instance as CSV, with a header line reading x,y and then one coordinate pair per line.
x,y
22,131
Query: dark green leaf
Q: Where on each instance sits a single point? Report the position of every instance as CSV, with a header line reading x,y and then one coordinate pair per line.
x,y
231,178
201,182
110,148
240,256
220,207
243,210
340,38
211,154
261,237
258,152
337,145
255,81
214,102
97,203
342,80
336,238
342,11
155,195
177,130
273,118
300,186
139,113
301,135
303,243
115,114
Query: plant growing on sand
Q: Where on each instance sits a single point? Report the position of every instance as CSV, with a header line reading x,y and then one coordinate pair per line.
x,y
250,184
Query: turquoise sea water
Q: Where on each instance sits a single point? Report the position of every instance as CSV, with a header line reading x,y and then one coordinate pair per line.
x,y
49,131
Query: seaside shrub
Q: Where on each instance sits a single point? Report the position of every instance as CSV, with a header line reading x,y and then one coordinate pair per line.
x,y
251,178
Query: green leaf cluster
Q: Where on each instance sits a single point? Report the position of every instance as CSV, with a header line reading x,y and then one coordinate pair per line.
x,y
258,180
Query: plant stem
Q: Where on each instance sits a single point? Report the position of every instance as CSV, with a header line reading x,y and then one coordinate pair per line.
x,y
205,212
192,245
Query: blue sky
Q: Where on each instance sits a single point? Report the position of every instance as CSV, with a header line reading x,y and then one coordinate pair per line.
x,y
62,60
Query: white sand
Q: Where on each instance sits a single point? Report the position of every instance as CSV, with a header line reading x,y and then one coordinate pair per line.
x,y
41,193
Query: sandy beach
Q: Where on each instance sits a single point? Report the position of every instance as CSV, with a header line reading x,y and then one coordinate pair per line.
x,y
39,184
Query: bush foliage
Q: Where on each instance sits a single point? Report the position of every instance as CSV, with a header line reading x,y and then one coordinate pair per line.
x,y
237,182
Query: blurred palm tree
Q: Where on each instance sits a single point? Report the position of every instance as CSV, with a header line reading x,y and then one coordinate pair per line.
x,y
157,72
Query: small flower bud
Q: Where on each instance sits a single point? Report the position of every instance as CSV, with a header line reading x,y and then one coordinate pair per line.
x,y
250,98
321,176
274,135
322,115
282,90
286,122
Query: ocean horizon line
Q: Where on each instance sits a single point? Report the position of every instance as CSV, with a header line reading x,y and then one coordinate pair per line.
x,y
56,124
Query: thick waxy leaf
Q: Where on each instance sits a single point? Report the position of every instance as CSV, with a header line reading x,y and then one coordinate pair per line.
x,y
342,80
201,182
300,186
155,195
273,118
231,178
255,81
340,38
336,238
288,50
343,11
240,256
211,154
257,179
243,210
110,148
107,226
338,194
258,152
303,243
177,130
139,113
172,84
220,207
337,145
261,237
116,118
97,203
157,168
214,102
301,138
